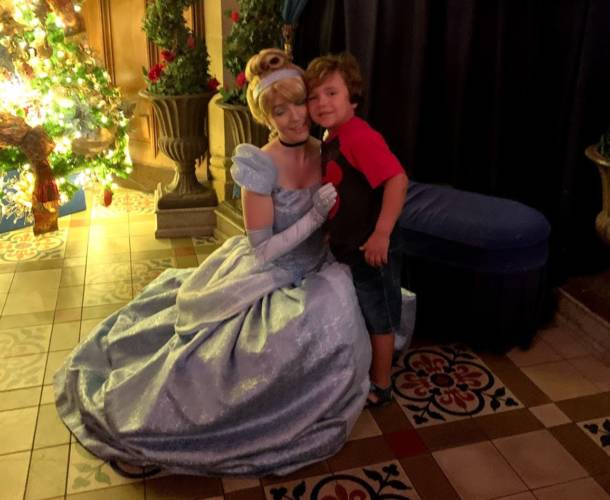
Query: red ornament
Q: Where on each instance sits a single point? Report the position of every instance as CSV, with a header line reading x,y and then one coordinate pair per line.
x,y
191,42
168,56
107,197
240,80
213,84
234,16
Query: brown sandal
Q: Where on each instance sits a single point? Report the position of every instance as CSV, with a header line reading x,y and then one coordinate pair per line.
x,y
383,396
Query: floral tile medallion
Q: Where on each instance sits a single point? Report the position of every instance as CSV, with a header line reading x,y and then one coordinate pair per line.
x,y
22,245
108,272
148,270
26,340
205,244
22,371
124,202
438,384
145,271
107,293
599,431
87,472
139,202
373,482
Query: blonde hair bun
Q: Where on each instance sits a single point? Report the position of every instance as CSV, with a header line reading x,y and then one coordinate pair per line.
x,y
259,66
265,61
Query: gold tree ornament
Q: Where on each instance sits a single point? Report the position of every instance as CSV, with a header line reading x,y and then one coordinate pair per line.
x,y
66,11
37,146
50,79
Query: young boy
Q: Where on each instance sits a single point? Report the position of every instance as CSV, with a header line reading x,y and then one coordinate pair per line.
x,y
371,186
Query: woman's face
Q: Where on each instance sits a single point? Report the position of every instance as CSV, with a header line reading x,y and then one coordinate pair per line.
x,y
290,119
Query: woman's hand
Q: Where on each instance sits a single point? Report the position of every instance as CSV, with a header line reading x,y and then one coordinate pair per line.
x,y
281,243
376,249
324,199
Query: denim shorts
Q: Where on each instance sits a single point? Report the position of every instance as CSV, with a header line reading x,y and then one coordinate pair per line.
x,y
378,291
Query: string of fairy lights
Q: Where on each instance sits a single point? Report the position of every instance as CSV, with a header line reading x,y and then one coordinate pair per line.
x,y
52,80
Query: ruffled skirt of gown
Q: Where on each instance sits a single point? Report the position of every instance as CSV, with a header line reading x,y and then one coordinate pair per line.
x,y
229,368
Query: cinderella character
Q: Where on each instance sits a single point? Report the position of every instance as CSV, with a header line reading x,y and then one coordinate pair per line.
x,y
257,361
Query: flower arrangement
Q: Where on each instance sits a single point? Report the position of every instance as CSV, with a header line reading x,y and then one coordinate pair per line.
x,y
257,25
184,62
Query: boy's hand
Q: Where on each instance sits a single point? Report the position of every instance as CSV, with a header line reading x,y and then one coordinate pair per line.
x,y
376,249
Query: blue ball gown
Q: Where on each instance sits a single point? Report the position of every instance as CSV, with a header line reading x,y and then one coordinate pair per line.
x,y
235,367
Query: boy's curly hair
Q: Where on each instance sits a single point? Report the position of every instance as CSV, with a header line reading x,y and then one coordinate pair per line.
x,y
345,63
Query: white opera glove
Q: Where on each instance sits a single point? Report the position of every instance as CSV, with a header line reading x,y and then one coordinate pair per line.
x,y
324,199
280,244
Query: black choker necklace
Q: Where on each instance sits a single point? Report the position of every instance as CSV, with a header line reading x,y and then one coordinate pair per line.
x,y
293,144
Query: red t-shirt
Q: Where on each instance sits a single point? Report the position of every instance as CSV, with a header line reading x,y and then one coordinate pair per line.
x,y
357,160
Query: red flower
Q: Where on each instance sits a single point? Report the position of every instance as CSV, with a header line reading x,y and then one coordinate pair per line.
x,y
191,42
168,55
234,16
240,80
155,72
213,84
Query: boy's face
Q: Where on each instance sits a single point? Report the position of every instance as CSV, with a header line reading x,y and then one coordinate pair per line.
x,y
329,104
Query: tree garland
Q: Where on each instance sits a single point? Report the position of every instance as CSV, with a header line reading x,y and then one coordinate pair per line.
x,y
49,79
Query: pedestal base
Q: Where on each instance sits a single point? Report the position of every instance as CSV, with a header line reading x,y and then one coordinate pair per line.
x,y
229,221
183,222
202,197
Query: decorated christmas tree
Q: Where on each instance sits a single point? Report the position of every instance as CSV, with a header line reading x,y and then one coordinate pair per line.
x,y
62,125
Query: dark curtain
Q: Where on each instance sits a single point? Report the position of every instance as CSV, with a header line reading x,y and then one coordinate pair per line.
x,y
495,96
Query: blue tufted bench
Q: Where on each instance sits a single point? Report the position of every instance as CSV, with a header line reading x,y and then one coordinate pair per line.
x,y
477,265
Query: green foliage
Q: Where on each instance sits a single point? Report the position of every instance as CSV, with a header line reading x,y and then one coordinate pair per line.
x,y
259,27
184,62
71,96
235,95
11,159
183,75
164,23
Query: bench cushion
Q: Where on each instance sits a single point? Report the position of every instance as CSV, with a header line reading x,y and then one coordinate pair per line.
x,y
472,230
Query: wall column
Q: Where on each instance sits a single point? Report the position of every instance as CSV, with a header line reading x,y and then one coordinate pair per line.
x,y
217,28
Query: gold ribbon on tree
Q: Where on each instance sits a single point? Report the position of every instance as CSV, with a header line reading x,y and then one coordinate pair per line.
x,y
36,145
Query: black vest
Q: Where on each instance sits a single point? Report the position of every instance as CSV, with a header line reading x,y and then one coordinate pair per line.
x,y
359,206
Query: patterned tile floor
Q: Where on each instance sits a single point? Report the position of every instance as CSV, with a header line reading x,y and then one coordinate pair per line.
x,y
464,424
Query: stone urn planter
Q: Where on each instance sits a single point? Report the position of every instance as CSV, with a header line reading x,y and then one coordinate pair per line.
x,y
183,138
602,221
241,127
